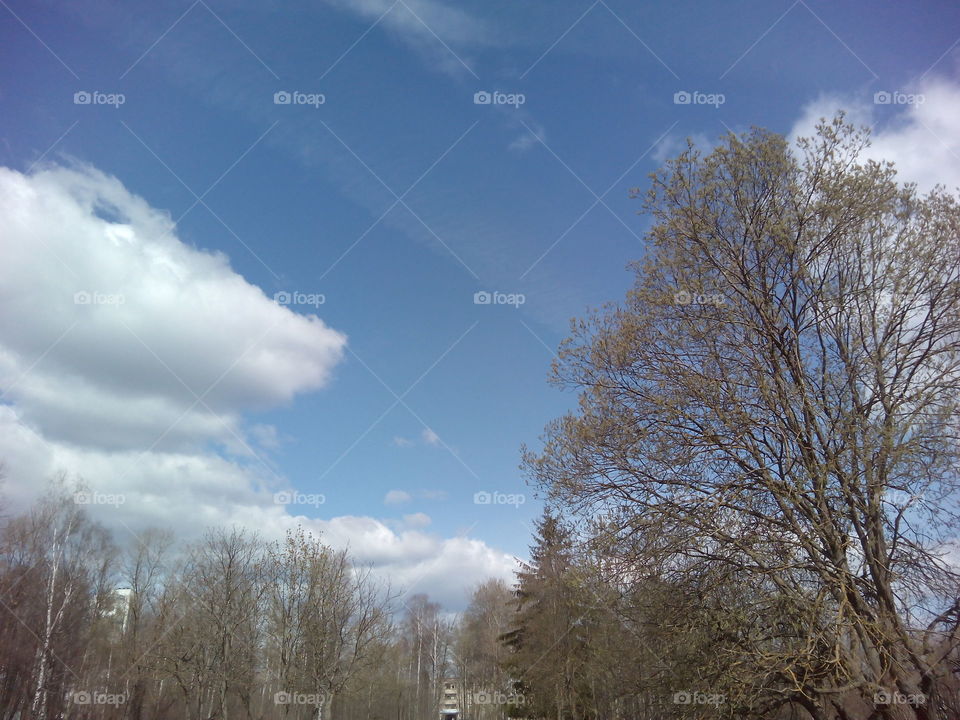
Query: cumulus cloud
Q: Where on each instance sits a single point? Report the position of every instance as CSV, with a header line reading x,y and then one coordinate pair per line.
x,y
922,135
143,339
415,561
184,491
126,355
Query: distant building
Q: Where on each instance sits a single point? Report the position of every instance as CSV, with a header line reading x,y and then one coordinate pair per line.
x,y
450,699
121,607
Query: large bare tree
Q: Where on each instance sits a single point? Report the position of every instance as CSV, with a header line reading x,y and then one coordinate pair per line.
x,y
326,618
776,403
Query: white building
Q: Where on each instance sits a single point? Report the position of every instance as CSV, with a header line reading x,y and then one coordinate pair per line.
x,y
121,607
450,699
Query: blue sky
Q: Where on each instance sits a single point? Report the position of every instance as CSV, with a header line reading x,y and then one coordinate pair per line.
x,y
396,199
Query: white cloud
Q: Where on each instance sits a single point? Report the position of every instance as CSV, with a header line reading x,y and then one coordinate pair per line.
x,y
164,325
446,568
673,144
430,26
922,139
427,437
396,497
185,491
265,435
449,22
528,137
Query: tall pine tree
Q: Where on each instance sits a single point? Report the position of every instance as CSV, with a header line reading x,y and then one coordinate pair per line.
x,y
549,641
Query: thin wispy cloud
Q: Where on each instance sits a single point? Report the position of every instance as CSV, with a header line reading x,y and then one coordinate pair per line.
x,y
397,497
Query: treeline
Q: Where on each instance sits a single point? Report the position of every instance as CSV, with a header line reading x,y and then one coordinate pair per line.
x,y
231,627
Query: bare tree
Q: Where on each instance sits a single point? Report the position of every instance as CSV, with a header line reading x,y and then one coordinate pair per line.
x,y
144,572
56,570
777,398
212,615
327,618
481,654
